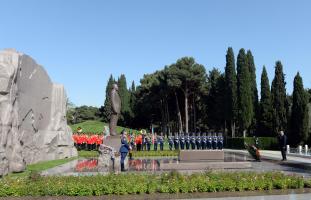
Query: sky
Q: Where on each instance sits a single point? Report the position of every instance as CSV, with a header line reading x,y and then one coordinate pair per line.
x,y
81,42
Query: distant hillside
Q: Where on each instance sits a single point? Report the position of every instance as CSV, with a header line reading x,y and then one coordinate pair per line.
x,y
94,127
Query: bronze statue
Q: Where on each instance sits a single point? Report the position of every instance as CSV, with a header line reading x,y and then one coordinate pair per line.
x,y
115,109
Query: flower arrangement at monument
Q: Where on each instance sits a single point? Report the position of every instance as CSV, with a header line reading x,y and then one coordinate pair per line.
x,y
253,151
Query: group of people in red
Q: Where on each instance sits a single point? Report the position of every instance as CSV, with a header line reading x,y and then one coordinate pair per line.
x,y
85,141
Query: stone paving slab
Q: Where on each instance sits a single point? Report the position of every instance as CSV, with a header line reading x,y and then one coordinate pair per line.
x,y
271,197
206,165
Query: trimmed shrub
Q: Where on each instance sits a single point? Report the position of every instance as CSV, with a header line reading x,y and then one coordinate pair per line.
x,y
265,143
172,182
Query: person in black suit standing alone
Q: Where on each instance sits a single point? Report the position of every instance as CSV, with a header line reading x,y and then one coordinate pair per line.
x,y
282,143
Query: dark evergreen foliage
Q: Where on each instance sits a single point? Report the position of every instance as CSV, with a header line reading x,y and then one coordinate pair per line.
x,y
278,95
299,117
265,107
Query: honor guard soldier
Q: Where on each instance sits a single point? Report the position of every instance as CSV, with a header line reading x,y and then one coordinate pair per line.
x,y
132,140
220,141
176,142
148,142
155,142
198,141
209,141
215,140
192,142
204,141
124,149
161,141
182,142
143,142
170,142
187,141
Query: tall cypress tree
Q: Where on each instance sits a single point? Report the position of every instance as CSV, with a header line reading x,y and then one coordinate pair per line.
x,y
125,100
106,109
132,99
252,71
300,115
230,91
265,110
278,94
244,92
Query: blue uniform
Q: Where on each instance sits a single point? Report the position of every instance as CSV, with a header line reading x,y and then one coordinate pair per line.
x,y
204,142
155,144
161,141
182,142
198,142
176,143
170,142
148,142
220,142
124,149
187,142
209,142
215,141
192,142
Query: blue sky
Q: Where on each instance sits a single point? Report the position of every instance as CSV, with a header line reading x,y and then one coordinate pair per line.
x,y
81,42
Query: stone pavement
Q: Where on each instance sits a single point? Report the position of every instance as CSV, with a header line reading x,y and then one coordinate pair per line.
x,y
276,155
270,197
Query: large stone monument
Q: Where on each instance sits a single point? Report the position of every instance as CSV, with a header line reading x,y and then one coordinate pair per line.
x,y
33,124
115,109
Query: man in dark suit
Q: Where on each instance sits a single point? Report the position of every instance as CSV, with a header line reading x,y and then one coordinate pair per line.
x,y
282,143
124,149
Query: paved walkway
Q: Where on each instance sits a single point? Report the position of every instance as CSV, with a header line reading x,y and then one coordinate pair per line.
x,y
275,155
270,197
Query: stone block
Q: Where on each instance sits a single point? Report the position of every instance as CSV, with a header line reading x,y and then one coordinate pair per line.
x,y
201,155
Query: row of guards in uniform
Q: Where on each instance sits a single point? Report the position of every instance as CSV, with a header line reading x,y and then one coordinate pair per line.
x,y
199,141
87,142
143,142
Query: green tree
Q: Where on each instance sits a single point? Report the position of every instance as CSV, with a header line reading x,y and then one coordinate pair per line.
x,y
106,109
231,104
132,99
300,116
265,108
215,100
252,71
189,76
125,100
279,102
244,92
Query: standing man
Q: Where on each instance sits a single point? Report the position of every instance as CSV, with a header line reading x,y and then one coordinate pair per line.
x,y
193,141
155,142
170,142
187,141
148,142
204,141
124,149
282,142
182,142
161,141
209,141
220,141
176,142
198,141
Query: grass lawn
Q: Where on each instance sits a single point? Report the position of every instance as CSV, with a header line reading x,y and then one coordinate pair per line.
x,y
41,166
88,154
136,154
94,127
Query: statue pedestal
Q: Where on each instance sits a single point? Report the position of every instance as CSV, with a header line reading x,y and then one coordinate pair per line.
x,y
109,157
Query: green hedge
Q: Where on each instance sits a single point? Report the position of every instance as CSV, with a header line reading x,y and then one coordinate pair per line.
x,y
158,153
172,182
265,143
